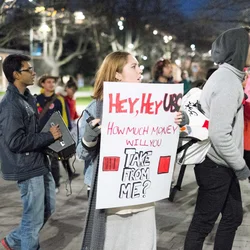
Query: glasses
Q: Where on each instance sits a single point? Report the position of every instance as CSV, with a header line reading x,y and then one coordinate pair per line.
x,y
30,69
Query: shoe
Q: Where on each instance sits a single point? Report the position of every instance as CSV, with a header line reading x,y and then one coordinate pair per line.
x,y
74,176
5,244
57,190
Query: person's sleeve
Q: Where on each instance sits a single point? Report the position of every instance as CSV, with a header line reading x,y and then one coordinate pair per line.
x,y
84,150
247,111
224,106
17,137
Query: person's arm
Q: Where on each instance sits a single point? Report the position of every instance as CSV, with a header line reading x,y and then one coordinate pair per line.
x,y
224,106
247,111
86,150
16,136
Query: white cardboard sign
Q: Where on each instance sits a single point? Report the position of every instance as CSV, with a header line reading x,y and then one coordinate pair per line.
x,y
138,143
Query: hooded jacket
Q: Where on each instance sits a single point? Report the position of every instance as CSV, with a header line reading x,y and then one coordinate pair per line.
x,y
221,100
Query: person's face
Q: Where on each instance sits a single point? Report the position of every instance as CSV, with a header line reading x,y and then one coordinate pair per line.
x,y
167,71
49,85
245,80
70,91
131,72
26,74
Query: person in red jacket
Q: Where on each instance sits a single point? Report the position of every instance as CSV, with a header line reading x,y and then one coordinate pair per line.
x,y
246,86
70,89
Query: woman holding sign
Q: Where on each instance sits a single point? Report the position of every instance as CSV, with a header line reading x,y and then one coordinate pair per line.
x,y
121,228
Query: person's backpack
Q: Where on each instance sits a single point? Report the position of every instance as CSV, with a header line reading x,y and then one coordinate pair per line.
x,y
194,142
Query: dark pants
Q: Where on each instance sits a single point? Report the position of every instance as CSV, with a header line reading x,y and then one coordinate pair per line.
x,y
55,170
219,192
67,168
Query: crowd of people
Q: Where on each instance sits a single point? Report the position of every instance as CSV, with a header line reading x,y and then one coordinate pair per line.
x,y
23,159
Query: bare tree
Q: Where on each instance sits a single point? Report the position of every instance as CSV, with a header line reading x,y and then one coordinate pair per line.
x,y
54,52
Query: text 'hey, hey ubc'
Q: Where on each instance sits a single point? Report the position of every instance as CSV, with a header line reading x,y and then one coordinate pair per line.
x,y
145,104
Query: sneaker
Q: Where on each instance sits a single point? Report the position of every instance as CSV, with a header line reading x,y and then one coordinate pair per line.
x,y
57,190
5,244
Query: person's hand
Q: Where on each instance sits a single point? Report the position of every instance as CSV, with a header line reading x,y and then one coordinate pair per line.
x,y
243,174
181,118
178,118
55,131
92,130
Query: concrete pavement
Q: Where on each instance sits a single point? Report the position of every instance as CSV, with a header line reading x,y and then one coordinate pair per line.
x,y
64,230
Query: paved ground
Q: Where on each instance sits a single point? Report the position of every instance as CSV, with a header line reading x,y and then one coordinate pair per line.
x,y
64,230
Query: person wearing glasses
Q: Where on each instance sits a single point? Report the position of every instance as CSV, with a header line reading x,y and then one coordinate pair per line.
x,y
21,154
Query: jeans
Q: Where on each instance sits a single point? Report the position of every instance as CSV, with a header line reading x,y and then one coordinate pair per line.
x,y
219,192
38,200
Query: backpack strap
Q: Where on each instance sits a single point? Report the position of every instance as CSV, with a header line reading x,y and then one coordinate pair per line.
x,y
46,107
185,148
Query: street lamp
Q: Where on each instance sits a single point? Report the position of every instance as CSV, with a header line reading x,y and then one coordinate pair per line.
x,y
44,28
155,32
79,17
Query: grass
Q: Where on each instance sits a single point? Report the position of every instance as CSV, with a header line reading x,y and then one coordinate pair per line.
x,y
83,100
86,88
80,100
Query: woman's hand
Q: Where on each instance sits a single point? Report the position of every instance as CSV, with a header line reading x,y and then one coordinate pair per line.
x,y
181,118
92,130
178,118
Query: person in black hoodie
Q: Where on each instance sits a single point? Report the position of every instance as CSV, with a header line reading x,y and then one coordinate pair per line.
x,y
21,154
219,174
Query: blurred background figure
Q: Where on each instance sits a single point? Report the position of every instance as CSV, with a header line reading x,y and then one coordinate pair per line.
x,y
48,102
80,80
186,81
246,86
162,72
70,90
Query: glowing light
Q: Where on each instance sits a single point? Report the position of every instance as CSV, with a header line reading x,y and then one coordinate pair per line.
x,y
39,9
120,23
155,32
178,62
44,28
131,46
79,15
192,46
121,27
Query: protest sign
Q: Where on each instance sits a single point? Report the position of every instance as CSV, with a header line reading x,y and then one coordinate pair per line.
x,y
138,143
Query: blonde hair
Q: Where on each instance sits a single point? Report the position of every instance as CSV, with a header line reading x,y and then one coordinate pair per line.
x,y
113,62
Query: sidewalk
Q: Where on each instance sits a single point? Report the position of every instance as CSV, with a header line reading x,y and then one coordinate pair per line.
x,y
64,230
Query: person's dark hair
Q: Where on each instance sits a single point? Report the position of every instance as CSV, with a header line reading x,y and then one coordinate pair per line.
x,y
199,83
12,63
158,68
71,83
210,72
247,28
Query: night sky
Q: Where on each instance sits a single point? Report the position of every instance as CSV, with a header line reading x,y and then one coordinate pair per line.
x,y
189,7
